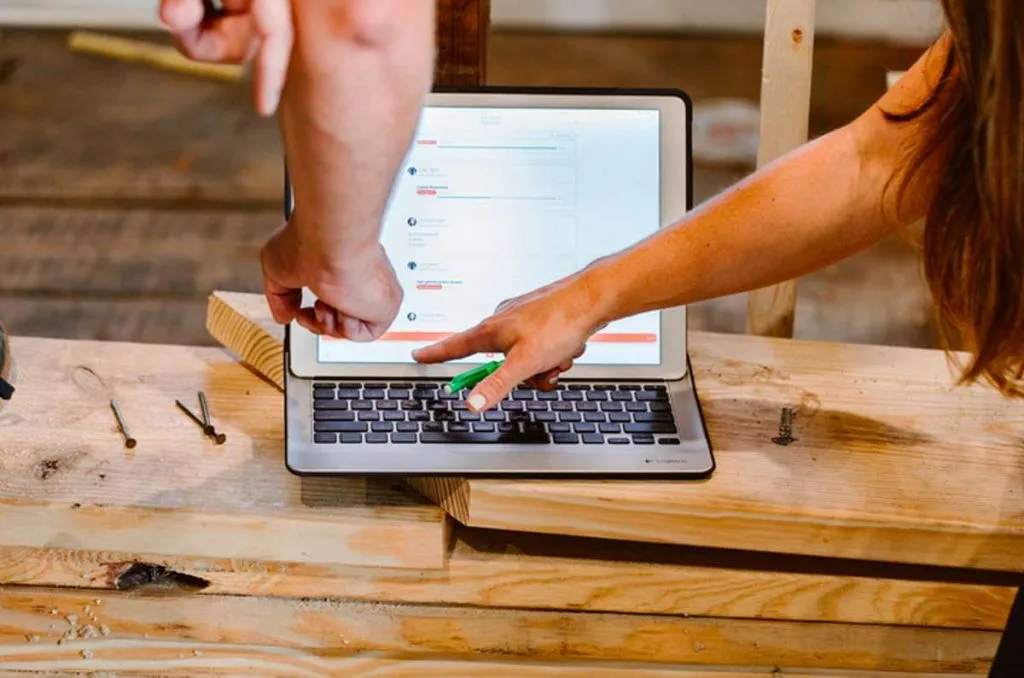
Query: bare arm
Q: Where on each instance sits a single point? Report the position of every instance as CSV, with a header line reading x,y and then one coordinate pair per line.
x,y
358,75
817,205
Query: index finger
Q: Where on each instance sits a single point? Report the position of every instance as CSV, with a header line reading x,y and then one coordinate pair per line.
x,y
461,345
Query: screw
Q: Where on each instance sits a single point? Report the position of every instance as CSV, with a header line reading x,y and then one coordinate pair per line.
x,y
129,442
207,426
220,438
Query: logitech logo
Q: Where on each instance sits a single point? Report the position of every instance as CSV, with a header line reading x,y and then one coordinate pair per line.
x,y
665,461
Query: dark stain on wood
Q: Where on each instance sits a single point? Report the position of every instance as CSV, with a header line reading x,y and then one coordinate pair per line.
x,y
46,468
134,576
849,429
8,67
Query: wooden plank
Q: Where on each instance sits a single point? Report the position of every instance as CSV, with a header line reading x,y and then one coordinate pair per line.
x,y
785,115
69,482
462,39
509,570
889,461
170,628
152,321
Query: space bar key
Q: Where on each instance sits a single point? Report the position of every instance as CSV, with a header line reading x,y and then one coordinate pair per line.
x,y
486,438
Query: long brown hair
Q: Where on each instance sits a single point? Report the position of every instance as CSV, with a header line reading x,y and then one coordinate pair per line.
x,y
973,239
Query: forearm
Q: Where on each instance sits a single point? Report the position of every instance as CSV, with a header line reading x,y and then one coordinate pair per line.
x,y
359,72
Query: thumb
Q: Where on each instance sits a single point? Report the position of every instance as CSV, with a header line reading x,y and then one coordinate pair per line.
x,y
494,388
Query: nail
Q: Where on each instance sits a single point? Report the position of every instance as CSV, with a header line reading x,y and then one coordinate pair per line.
x,y
207,425
476,402
553,380
129,441
219,438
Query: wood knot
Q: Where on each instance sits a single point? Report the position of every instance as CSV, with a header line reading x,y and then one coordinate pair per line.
x,y
798,36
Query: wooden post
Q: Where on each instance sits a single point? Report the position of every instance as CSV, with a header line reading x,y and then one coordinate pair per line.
x,y
785,113
462,28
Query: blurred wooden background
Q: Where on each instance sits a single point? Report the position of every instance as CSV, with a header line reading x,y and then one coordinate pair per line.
x,y
129,193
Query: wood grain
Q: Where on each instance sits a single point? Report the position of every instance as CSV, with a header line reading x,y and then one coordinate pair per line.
x,y
170,628
785,115
890,462
462,38
508,570
67,480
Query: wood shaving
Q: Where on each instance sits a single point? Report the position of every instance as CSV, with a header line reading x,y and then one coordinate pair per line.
x,y
104,630
88,632
86,654
87,609
31,638
72,619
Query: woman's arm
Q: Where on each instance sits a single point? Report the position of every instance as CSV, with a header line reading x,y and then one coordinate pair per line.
x,y
819,204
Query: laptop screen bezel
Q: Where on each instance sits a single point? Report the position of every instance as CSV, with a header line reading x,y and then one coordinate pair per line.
x,y
676,191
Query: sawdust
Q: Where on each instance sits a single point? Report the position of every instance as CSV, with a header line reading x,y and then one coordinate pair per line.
x,y
86,654
72,619
88,632
104,630
32,638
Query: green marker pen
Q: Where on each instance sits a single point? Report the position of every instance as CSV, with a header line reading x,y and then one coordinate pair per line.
x,y
472,377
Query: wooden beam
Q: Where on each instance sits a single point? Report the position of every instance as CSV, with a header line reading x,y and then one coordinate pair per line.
x,y
508,570
866,476
194,632
70,482
462,32
785,113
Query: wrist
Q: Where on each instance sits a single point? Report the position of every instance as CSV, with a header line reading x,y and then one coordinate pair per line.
x,y
597,294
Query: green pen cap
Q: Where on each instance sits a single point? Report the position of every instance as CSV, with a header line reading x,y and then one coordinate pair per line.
x,y
472,377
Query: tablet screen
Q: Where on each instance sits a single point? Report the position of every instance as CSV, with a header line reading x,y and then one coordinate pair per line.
x,y
491,203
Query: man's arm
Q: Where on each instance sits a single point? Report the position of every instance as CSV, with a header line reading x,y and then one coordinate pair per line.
x,y
358,75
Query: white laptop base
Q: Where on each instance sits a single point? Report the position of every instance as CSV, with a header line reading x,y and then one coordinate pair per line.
x,y
503,191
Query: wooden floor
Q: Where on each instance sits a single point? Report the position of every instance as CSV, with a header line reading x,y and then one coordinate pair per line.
x,y
128,194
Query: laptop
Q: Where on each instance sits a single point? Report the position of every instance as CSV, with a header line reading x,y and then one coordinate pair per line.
x,y
502,191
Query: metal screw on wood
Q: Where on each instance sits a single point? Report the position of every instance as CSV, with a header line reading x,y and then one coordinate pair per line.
x,y
207,426
129,441
220,438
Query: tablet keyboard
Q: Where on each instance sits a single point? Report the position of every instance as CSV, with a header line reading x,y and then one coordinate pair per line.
x,y
418,413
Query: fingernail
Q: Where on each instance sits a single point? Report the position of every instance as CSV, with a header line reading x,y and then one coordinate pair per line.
x,y
476,402
319,314
553,380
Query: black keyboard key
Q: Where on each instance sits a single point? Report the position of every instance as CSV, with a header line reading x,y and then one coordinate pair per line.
x,y
404,385
394,416
566,438
669,441
494,415
419,415
424,394
330,404
348,393
375,385
572,395
434,405
387,405
597,395
609,428
382,427
578,387
619,417
325,438
655,387
651,395
425,386
629,387
376,438
537,406
522,394
561,407
324,384
519,416
584,428
407,427
534,427
351,438
636,407
618,441
513,406
622,396
484,427
398,394
334,415
403,438
594,416
643,439
459,405
545,416
560,428
458,395
433,426
323,394
410,405
485,438
586,407
444,415
369,416
570,416
652,416
458,427
362,405
508,427
373,394
660,406
469,416
340,427
593,439
547,395
654,427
